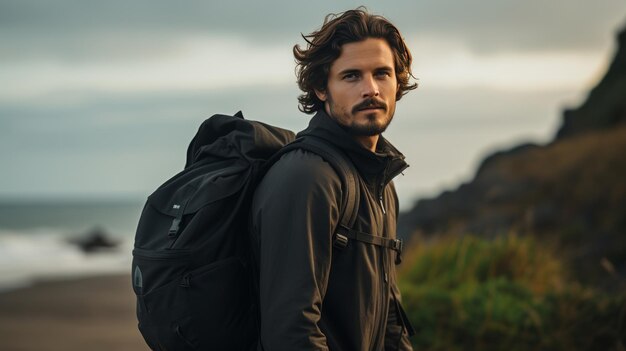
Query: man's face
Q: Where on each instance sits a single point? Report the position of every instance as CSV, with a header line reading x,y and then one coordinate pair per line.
x,y
362,86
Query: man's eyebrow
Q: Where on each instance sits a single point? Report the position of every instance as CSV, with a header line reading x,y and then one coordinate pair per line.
x,y
349,70
354,70
384,68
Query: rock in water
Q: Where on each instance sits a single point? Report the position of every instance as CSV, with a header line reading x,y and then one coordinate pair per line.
x,y
95,240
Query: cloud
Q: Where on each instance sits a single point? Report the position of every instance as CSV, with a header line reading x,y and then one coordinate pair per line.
x,y
201,63
449,65
492,26
102,97
75,30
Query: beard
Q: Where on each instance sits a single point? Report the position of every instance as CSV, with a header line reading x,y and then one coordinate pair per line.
x,y
373,124
371,128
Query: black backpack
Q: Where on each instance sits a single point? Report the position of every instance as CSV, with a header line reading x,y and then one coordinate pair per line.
x,y
194,270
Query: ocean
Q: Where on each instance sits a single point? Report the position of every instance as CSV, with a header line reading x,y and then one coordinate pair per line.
x,y
37,239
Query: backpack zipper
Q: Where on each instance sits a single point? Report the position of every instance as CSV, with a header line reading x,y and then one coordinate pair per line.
x,y
161,254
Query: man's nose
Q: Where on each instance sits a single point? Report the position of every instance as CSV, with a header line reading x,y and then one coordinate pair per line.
x,y
370,87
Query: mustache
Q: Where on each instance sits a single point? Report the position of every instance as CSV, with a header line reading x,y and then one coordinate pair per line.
x,y
369,103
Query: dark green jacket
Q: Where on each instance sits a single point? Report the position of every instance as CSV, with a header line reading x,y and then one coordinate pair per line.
x,y
314,296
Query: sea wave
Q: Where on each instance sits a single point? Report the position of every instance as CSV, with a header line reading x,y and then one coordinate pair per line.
x,y
34,254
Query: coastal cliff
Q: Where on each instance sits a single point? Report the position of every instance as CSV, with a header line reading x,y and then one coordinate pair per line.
x,y
570,193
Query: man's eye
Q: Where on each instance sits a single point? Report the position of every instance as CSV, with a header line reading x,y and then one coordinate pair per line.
x,y
350,76
383,74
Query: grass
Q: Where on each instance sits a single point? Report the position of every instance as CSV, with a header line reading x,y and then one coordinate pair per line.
x,y
509,294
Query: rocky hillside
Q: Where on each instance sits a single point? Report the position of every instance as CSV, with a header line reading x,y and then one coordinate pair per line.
x,y
606,106
570,193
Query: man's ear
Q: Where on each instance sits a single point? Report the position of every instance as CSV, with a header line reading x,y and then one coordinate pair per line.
x,y
321,94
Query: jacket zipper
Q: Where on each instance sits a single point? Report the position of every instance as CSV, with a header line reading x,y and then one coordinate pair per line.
x,y
381,193
382,207
384,285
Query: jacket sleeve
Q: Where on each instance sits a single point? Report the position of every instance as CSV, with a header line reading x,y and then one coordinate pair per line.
x,y
294,213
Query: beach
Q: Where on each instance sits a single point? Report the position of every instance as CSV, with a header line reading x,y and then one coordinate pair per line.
x,y
95,313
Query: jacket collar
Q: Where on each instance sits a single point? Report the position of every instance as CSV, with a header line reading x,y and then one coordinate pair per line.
x,y
376,168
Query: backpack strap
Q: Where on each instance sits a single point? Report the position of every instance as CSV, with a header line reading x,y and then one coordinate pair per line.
x,y
341,164
393,244
344,167
349,177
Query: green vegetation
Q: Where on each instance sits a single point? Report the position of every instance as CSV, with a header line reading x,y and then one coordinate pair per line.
x,y
508,294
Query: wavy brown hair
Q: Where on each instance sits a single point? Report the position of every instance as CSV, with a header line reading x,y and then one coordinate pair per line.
x,y
324,47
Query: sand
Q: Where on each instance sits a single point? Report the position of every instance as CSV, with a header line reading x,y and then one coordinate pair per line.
x,y
83,314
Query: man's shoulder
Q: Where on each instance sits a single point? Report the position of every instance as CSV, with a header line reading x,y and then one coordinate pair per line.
x,y
297,178
304,166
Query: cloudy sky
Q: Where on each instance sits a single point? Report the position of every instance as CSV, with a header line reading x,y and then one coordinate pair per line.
x,y
99,99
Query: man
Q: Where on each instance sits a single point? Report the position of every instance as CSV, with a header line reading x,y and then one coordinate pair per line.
x,y
314,296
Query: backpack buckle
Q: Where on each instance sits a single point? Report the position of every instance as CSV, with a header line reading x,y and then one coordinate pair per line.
x,y
185,282
174,228
397,246
340,241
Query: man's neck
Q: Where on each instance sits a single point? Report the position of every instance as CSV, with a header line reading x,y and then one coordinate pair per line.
x,y
368,142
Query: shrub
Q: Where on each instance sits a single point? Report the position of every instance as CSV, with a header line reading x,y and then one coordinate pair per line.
x,y
507,294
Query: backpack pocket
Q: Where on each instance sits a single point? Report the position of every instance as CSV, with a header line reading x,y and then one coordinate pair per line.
x,y
154,273
152,269
208,307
